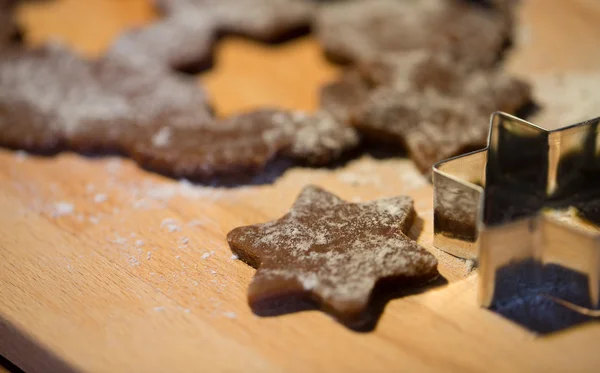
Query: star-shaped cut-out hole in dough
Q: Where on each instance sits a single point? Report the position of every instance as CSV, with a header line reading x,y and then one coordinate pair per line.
x,y
332,254
64,20
285,76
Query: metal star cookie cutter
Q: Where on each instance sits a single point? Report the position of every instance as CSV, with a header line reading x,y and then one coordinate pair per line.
x,y
529,202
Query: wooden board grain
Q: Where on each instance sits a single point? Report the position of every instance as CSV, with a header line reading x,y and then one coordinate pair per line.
x,y
138,276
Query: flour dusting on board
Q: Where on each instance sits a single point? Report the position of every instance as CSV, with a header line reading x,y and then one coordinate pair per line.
x,y
171,225
149,194
357,179
566,98
410,177
378,174
119,240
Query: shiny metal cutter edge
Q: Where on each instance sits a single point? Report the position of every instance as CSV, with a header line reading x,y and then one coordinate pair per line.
x,y
459,192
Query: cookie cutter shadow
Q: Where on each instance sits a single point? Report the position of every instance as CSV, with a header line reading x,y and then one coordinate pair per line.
x,y
526,293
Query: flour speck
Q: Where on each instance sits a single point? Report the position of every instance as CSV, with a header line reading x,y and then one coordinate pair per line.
x,y
119,240
171,225
100,197
133,261
62,208
230,315
195,223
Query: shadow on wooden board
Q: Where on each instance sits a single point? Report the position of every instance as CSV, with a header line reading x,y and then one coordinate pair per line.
x,y
31,355
524,290
8,366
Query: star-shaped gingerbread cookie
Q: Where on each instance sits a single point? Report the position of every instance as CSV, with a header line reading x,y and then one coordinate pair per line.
x,y
332,254
427,103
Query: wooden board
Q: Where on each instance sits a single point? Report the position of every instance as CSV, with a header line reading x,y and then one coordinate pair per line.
x,y
138,276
